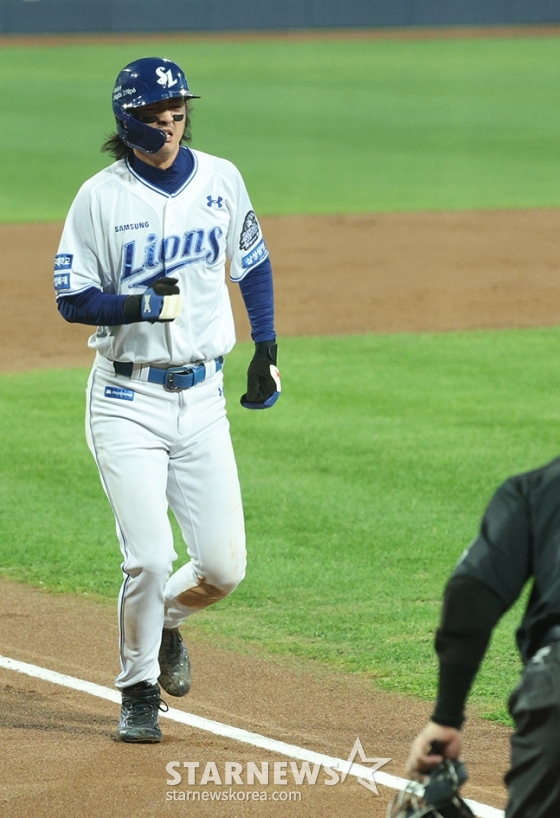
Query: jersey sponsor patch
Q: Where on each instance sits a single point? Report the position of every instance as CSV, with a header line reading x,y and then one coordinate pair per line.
x,y
121,228
249,231
119,393
258,254
61,281
63,261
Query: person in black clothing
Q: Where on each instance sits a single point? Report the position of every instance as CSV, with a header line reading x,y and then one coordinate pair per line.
x,y
519,540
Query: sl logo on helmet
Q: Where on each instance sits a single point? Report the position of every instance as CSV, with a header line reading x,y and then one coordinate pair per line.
x,y
165,76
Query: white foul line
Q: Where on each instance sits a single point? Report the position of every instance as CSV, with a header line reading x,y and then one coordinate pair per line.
x,y
235,733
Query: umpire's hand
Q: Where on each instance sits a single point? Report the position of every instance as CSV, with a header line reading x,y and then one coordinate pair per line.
x,y
263,378
423,759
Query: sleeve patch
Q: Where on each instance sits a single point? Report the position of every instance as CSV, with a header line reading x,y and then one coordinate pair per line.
x,y
258,254
61,281
63,261
249,231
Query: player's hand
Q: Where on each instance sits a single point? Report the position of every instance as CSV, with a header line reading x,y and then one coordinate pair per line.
x,y
263,378
160,302
424,756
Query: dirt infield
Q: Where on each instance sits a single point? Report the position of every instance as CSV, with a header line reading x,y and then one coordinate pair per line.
x,y
58,759
338,274
333,275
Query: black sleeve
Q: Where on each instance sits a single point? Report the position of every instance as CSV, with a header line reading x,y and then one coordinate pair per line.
x,y
501,556
470,613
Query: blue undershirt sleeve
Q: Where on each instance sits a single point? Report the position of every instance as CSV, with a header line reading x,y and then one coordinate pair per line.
x,y
258,296
93,307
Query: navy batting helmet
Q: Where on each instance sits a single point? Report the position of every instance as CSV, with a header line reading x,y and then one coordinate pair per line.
x,y
143,82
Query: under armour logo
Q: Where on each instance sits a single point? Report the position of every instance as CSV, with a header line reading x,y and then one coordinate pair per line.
x,y
147,307
219,201
165,77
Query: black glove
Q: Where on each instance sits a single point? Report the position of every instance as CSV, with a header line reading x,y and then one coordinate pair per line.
x,y
160,302
263,378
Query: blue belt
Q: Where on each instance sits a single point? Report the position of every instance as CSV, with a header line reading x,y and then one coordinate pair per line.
x,y
173,379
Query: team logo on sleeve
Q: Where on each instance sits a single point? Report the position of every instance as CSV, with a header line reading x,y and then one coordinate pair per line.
x,y
249,231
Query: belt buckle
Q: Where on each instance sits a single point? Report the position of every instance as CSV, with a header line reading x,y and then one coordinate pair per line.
x,y
169,379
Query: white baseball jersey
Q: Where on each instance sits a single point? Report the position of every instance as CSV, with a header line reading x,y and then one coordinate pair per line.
x,y
122,233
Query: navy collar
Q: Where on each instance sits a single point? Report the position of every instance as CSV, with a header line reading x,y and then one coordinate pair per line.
x,y
169,180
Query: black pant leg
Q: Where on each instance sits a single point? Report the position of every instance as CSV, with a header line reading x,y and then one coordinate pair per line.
x,y
533,780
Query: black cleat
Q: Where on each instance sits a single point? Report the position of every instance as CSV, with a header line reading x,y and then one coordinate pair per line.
x,y
174,664
139,714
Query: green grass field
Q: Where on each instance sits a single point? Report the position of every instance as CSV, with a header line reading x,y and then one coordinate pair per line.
x,y
315,127
361,490
368,479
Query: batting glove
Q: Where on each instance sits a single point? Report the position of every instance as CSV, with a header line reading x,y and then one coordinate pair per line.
x,y
160,302
263,378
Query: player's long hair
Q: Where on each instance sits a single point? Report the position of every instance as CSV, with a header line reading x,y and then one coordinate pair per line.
x,y
119,149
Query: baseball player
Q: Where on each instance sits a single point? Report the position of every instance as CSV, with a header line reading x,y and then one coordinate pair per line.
x,y
142,257
519,540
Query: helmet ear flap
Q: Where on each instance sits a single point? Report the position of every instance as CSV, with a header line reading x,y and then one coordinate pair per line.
x,y
137,135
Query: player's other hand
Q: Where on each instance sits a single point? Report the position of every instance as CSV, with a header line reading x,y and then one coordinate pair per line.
x,y
263,378
160,302
430,747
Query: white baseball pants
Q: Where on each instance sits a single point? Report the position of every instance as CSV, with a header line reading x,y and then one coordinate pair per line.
x,y
157,449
